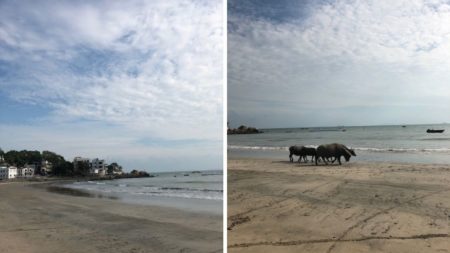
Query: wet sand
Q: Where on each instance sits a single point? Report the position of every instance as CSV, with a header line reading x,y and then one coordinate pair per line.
x,y
34,219
277,206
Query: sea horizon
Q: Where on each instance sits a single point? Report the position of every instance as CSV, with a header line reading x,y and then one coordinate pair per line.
x,y
337,126
390,143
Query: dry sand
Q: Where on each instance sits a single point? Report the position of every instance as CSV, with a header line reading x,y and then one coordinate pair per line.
x,y
34,220
277,206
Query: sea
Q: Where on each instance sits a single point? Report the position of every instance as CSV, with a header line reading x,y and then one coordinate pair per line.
x,y
393,143
197,191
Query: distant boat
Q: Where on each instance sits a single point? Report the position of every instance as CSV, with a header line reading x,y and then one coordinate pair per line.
x,y
403,126
435,130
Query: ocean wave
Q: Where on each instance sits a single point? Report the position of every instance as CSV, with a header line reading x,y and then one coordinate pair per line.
x,y
188,195
188,189
406,150
368,149
257,148
179,192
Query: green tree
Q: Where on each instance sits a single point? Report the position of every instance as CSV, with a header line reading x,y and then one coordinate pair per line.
x,y
52,157
60,166
63,169
20,158
113,167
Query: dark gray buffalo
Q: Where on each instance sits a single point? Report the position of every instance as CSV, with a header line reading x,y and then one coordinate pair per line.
x,y
334,150
303,152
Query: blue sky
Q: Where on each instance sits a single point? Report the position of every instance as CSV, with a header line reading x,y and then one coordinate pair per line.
x,y
136,82
294,63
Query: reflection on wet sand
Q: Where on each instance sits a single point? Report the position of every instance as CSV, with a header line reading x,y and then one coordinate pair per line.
x,y
77,192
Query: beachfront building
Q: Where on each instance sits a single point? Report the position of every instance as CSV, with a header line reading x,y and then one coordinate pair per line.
x,y
26,171
12,172
3,172
98,167
8,172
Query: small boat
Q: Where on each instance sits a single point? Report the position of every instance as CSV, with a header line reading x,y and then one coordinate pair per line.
x,y
403,126
435,130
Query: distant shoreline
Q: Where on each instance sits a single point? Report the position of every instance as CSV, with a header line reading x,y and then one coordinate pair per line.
x,y
345,126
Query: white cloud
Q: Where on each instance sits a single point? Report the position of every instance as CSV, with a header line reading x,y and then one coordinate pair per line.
x,y
154,68
173,49
342,54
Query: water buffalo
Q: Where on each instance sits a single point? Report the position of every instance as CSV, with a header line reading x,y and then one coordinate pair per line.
x,y
303,152
334,150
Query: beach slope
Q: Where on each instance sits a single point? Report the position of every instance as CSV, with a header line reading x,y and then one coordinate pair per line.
x,y
277,206
35,220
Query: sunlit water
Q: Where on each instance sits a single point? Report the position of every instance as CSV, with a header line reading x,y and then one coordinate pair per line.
x,y
372,143
195,191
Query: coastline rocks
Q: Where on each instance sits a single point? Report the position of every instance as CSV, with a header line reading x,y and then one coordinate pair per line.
x,y
244,130
136,173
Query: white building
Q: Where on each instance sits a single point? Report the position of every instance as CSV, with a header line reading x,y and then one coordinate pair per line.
x,y
12,172
8,172
98,167
27,171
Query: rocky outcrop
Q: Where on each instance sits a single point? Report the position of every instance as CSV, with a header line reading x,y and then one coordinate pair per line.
x,y
244,130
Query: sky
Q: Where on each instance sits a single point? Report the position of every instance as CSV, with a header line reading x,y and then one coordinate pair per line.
x,y
303,63
135,82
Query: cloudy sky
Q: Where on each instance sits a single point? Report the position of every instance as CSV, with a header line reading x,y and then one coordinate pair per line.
x,y
295,63
137,82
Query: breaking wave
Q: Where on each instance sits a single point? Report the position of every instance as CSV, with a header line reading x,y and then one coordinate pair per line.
x,y
367,149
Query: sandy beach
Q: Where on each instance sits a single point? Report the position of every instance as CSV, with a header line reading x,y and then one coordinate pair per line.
x,y
35,220
278,206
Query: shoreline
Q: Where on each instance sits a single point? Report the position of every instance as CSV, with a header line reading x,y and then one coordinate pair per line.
x,y
278,206
35,220
87,188
441,158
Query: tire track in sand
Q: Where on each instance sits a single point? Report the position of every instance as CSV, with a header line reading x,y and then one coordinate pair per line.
x,y
336,240
386,210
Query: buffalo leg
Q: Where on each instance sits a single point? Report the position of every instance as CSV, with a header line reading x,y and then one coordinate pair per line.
x,y
290,158
339,160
